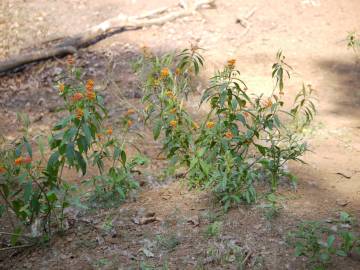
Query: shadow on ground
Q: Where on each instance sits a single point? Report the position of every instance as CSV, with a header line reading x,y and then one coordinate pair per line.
x,y
345,93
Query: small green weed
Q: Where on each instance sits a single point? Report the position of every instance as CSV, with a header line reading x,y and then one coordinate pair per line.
x,y
213,229
319,241
168,242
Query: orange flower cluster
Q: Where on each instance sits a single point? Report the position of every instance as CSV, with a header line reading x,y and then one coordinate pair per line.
x,y
89,85
210,124
169,94
2,170
109,131
231,63
164,73
129,123
229,135
61,88
90,94
77,97
173,123
23,160
79,113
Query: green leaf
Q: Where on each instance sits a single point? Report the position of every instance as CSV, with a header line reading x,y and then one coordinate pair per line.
x,y
70,153
157,129
241,118
81,162
53,160
27,191
62,123
299,249
330,241
51,196
69,134
341,253
87,133
28,147
116,153
123,157
82,144
121,192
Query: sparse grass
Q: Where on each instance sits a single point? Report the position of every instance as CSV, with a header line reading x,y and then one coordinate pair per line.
x,y
213,229
211,216
168,241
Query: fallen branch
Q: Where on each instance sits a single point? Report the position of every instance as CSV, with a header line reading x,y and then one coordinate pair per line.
x,y
63,46
16,247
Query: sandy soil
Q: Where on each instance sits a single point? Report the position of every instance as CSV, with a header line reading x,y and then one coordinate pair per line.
x,y
311,34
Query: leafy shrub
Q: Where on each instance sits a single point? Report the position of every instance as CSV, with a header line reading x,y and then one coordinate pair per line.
x,y
167,82
35,190
243,136
28,190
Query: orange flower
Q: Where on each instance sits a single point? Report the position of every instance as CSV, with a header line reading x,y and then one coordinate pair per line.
x,y
173,110
99,136
173,123
18,161
21,160
109,131
79,113
91,95
90,85
130,112
229,135
129,123
70,60
169,94
164,73
231,63
2,170
77,96
61,87
268,103
210,124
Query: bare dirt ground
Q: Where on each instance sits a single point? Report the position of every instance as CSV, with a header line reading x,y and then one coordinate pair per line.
x,y
311,34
